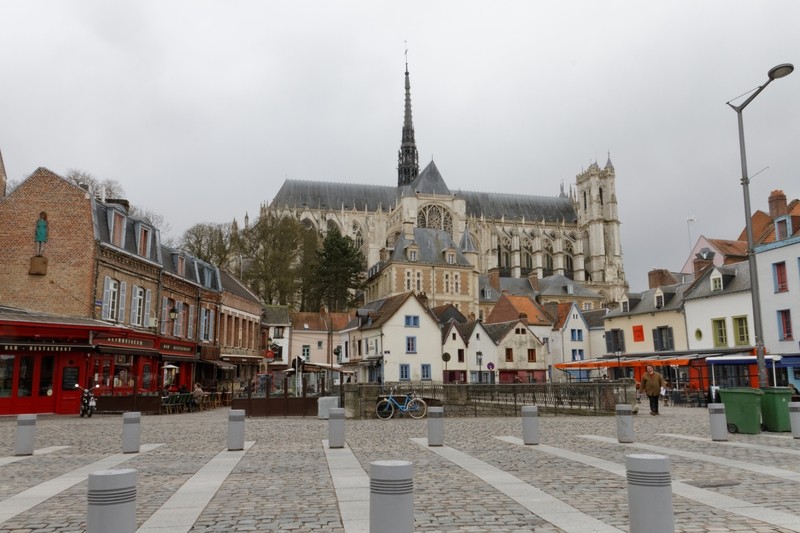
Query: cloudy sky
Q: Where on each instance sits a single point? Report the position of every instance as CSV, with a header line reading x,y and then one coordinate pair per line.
x,y
201,109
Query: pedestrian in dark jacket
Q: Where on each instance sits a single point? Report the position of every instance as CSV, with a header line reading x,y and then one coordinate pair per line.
x,y
651,386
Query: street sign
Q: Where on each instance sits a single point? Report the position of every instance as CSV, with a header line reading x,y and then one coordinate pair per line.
x,y
490,366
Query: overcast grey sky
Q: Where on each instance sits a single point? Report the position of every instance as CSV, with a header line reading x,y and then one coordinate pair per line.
x,y
201,109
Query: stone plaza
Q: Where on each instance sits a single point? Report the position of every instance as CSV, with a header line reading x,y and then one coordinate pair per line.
x,y
484,479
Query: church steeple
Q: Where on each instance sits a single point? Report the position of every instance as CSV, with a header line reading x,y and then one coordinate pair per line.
x,y
407,157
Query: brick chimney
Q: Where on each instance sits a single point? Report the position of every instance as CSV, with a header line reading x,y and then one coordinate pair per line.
x,y
494,278
777,204
523,317
658,277
702,260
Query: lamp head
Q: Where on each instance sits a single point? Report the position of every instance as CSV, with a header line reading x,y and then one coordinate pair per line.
x,y
780,71
173,313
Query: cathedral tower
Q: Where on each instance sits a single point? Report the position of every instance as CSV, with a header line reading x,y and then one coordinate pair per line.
x,y
598,222
408,158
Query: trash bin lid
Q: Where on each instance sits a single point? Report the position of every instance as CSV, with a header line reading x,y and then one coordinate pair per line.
x,y
742,390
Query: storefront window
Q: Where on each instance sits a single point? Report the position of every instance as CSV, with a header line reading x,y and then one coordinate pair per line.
x,y
45,387
25,376
147,376
105,376
6,374
122,371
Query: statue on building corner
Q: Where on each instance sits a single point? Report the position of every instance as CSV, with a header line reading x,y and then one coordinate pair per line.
x,y
41,233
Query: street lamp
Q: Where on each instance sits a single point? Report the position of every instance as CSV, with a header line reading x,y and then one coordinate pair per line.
x,y
775,73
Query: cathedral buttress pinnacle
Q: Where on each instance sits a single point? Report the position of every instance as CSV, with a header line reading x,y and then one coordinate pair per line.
x,y
408,158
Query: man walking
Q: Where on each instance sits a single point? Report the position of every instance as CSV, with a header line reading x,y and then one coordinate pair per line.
x,y
651,385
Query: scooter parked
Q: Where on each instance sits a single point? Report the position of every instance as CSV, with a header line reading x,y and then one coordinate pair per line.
x,y
88,401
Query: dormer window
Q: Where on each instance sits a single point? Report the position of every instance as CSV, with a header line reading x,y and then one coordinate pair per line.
x,y
143,240
451,258
116,229
716,282
659,301
626,306
181,266
782,228
412,255
570,289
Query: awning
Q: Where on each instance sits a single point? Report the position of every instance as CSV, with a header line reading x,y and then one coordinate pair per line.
x,y
222,365
740,359
243,359
120,350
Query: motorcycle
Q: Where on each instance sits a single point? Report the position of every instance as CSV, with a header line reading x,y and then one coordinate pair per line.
x,y
88,401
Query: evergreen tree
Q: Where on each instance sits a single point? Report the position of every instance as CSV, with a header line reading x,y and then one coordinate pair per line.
x,y
339,272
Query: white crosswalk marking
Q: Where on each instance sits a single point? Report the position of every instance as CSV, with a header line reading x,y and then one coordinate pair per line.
x,y
351,484
42,451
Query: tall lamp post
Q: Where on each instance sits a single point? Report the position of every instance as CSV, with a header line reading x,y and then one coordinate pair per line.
x,y
775,73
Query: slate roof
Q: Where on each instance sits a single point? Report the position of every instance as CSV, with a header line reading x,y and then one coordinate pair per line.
x,y
499,330
556,285
447,312
431,243
275,315
103,212
364,197
235,286
735,278
673,300
595,318
196,271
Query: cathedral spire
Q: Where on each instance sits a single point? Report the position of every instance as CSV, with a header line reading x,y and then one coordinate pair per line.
x,y
407,157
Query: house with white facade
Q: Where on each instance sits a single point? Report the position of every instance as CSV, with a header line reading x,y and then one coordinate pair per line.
x,y
570,339
518,352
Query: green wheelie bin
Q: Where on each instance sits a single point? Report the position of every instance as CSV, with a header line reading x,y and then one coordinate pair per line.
x,y
775,408
742,409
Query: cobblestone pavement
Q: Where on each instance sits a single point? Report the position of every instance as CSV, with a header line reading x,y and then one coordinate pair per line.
x,y
283,482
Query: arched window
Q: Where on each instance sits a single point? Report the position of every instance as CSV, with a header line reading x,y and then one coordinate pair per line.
x,y
584,201
528,260
435,217
601,196
358,237
331,225
307,224
548,257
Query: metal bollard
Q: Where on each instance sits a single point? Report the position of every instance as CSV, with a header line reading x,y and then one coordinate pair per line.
x,y
624,423
649,494
236,430
716,417
112,501
131,432
336,427
435,426
26,435
391,498
794,418
530,424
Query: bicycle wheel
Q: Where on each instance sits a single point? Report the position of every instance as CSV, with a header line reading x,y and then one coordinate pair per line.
x,y
384,409
417,408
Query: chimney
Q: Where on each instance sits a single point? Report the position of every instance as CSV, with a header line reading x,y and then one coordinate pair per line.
x,y
408,230
777,204
702,260
494,278
658,277
523,317
533,279
423,299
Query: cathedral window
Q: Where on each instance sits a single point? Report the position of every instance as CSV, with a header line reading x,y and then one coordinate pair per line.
x,y
331,226
358,237
601,196
435,217
528,261
584,201
457,283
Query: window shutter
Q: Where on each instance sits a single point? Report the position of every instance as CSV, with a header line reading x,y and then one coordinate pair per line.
x,y
203,312
164,315
609,341
656,339
106,297
176,324
669,343
190,326
146,318
134,304
211,325
123,289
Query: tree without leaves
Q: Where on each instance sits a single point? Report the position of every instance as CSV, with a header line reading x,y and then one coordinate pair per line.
x,y
209,242
86,181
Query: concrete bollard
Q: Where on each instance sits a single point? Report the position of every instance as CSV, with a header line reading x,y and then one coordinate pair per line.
x,y
719,425
324,406
435,426
236,430
112,501
131,432
26,435
530,424
336,427
794,418
649,494
624,423
391,498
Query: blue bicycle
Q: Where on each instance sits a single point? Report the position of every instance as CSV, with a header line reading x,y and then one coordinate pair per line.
x,y
412,405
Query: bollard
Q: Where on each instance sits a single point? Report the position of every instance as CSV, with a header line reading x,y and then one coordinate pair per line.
x,y
236,430
435,426
391,498
649,494
336,427
719,425
624,423
26,435
794,418
131,432
530,424
112,501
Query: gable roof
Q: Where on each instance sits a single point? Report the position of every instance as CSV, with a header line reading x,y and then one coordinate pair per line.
x,y
556,285
499,330
595,318
510,307
376,313
235,286
429,181
321,321
447,312
735,278
431,244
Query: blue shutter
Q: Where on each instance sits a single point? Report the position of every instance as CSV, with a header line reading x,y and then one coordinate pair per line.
x,y
146,318
203,312
123,289
190,327
211,325
106,296
134,303
164,315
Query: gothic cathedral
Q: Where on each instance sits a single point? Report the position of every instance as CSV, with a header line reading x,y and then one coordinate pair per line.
x,y
420,235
